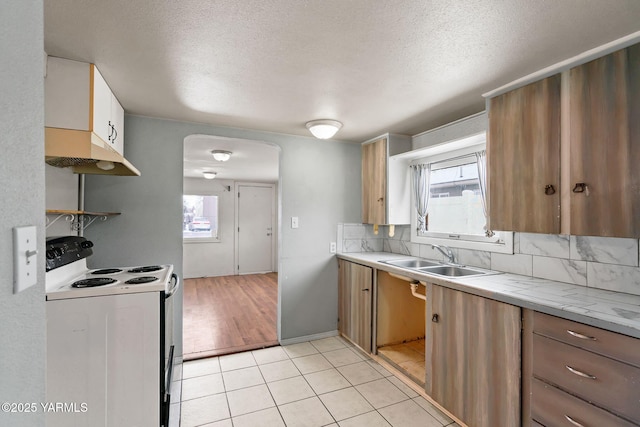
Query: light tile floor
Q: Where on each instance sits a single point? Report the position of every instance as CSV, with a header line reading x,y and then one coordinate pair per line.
x,y
327,382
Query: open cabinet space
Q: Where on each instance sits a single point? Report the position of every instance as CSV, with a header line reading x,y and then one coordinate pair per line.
x,y
400,325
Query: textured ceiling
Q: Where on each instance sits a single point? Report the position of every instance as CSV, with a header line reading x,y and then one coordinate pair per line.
x,y
250,161
403,66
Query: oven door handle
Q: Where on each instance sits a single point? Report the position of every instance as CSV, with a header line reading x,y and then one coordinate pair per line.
x,y
174,288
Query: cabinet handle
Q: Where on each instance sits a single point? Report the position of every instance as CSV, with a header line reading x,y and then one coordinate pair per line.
x,y
381,199
549,189
580,187
580,373
572,421
579,335
110,130
115,134
365,290
435,318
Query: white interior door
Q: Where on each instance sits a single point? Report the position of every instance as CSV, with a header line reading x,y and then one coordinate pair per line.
x,y
255,228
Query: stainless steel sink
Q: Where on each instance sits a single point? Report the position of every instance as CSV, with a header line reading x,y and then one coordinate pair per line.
x,y
451,271
411,263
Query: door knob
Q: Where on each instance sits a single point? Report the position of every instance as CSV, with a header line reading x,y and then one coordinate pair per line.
x,y
435,318
549,189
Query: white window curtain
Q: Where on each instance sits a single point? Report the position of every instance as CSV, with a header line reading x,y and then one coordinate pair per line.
x,y
481,162
420,176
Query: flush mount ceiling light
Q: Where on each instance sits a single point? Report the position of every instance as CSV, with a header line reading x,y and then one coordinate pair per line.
x,y
209,175
323,129
221,155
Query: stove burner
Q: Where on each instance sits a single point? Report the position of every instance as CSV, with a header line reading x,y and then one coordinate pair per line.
x,y
140,280
147,269
94,281
107,271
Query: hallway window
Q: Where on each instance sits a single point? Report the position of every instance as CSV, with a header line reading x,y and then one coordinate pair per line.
x,y
200,217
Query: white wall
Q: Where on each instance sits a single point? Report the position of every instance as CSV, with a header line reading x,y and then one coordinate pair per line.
x,y
61,194
212,259
22,316
458,129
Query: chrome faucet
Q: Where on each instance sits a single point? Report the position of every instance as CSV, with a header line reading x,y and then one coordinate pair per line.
x,y
446,251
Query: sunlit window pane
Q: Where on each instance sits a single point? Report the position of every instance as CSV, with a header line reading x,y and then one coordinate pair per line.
x,y
199,217
455,204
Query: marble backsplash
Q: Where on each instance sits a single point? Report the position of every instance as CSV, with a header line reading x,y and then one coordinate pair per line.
x,y
596,262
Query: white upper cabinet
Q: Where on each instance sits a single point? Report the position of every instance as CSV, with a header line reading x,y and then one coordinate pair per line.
x,y
101,111
77,97
117,121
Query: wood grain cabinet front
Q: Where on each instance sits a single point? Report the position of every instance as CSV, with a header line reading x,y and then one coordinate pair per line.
x,y
355,287
563,152
385,181
523,156
608,383
588,374
553,407
473,353
605,145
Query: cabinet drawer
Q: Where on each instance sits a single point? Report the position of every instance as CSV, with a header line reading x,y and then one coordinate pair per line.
x,y
551,407
598,379
617,346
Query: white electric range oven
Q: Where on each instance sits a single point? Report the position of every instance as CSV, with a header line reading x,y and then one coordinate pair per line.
x,y
109,339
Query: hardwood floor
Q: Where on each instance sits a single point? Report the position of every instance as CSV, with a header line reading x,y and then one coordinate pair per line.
x,y
229,314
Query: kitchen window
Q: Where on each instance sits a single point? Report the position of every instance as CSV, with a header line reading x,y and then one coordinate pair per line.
x,y
200,218
448,199
455,205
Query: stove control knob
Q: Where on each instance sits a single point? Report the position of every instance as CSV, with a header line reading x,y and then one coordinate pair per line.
x,y
86,244
58,251
51,254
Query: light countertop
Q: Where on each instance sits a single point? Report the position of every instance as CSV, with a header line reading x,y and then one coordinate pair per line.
x,y
613,311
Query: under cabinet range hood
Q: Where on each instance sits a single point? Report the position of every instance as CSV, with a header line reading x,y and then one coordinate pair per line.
x,y
84,152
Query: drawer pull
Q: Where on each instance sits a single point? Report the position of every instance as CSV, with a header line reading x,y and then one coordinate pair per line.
x,y
580,373
582,337
574,422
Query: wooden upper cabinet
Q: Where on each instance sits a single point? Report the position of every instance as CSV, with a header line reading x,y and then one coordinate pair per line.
x,y
605,145
523,156
386,197
374,181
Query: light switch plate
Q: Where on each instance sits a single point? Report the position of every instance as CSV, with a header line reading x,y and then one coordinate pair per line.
x,y
25,258
294,222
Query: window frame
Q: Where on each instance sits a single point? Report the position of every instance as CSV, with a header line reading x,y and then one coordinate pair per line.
x,y
500,242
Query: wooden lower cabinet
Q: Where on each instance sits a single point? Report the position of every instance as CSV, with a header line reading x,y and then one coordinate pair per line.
x,y
579,375
553,407
473,351
355,287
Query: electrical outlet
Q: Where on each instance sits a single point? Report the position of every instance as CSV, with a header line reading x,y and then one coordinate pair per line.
x,y
332,247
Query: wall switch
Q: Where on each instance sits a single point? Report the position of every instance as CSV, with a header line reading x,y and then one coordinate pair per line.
x,y
294,222
332,247
25,258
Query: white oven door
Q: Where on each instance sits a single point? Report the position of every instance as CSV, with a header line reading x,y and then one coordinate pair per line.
x,y
103,356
